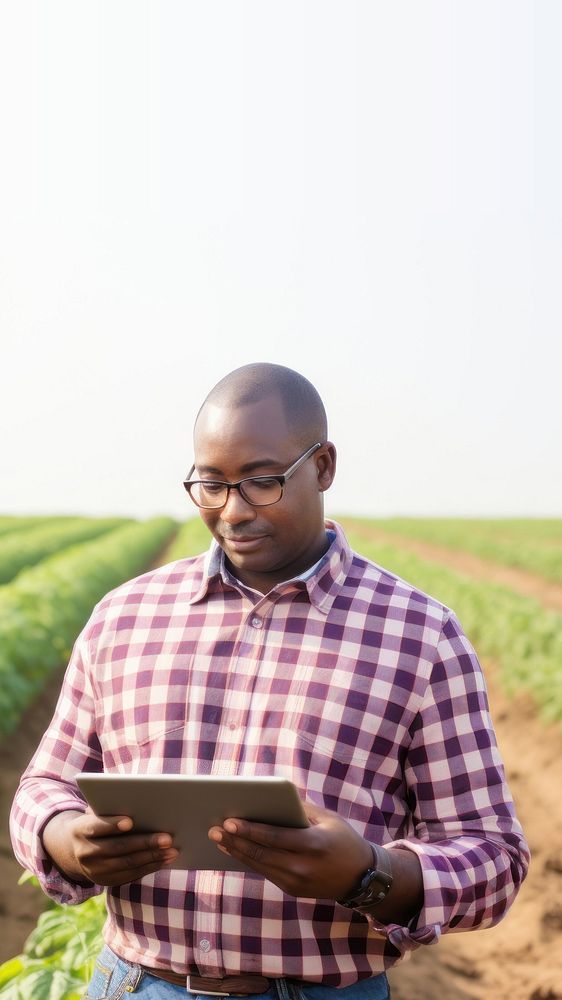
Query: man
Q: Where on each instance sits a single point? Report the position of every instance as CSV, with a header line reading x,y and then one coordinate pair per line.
x,y
278,652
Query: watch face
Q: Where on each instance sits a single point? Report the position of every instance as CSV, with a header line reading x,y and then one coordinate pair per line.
x,y
375,884
373,889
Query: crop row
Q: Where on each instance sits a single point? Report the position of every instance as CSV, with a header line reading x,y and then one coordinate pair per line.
x,y
535,531
524,637
192,538
21,549
533,546
45,607
11,523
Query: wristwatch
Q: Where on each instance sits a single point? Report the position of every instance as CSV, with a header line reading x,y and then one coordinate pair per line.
x,y
375,883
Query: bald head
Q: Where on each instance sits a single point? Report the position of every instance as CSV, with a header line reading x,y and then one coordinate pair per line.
x,y
303,409
264,423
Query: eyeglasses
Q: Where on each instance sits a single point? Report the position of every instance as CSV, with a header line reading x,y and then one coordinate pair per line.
x,y
260,491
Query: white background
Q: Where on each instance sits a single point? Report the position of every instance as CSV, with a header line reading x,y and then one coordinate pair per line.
x,y
367,192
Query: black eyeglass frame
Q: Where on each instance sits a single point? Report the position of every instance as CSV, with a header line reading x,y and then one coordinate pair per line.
x,y
281,479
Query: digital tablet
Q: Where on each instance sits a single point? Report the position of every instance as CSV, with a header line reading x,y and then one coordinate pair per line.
x,y
186,807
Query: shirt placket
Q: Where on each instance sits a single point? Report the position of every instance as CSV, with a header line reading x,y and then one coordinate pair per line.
x,y
208,884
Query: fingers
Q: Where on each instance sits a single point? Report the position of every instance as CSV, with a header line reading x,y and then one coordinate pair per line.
x,y
91,825
104,829
289,869
278,837
109,856
320,861
264,860
130,844
269,850
117,870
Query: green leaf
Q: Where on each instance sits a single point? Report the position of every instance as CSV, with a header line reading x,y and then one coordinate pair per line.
x,y
8,970
28,877
43,984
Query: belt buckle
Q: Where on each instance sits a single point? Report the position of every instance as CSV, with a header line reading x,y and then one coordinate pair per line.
x,y
207,993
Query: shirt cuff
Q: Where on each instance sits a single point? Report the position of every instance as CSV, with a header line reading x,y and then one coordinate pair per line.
x,y
426,926
58,886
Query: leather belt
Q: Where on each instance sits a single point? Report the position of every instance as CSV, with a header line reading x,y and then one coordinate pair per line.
x,y
242,985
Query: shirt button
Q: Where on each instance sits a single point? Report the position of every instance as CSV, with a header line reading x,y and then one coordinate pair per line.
x,y
205,945
257,622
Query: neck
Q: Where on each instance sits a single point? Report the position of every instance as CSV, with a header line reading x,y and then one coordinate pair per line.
x,y
266,581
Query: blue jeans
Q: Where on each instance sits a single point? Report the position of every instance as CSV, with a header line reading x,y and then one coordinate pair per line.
x,y
115,979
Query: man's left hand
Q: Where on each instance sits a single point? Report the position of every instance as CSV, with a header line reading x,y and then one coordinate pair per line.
x,y
324,861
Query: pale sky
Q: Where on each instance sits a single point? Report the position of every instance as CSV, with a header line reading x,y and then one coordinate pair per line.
x,y
367,192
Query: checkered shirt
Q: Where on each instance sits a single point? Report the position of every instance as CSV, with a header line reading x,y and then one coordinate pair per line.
x,y
357,687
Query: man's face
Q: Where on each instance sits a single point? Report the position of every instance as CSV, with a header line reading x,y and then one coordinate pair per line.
x,y
264,545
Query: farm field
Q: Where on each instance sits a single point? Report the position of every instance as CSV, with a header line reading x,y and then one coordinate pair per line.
x,y
534,546
516,629
22,549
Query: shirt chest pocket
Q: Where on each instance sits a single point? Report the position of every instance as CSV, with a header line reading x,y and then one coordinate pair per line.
x,y
332,741
156,733
336,720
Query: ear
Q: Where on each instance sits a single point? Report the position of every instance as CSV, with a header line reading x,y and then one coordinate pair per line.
x,y
326,466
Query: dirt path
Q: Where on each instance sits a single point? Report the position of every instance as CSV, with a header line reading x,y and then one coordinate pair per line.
x,y
549,594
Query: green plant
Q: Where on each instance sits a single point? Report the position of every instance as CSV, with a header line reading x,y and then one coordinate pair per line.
x,y
58,957
21,549
192,538
43,610
11,523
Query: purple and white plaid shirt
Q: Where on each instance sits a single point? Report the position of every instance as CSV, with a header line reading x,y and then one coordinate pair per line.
x,y
356,686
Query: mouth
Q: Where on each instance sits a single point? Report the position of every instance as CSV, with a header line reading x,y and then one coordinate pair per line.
x,y
243,543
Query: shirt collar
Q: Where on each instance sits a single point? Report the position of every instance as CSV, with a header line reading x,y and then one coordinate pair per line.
x,y
322,582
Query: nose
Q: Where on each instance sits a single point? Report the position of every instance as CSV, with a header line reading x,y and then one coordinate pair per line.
x,y
237,510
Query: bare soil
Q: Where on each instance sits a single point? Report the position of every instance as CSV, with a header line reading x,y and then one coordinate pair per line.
x,y
520,959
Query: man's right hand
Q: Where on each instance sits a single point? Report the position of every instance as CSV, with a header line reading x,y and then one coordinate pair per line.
x,y
101,849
